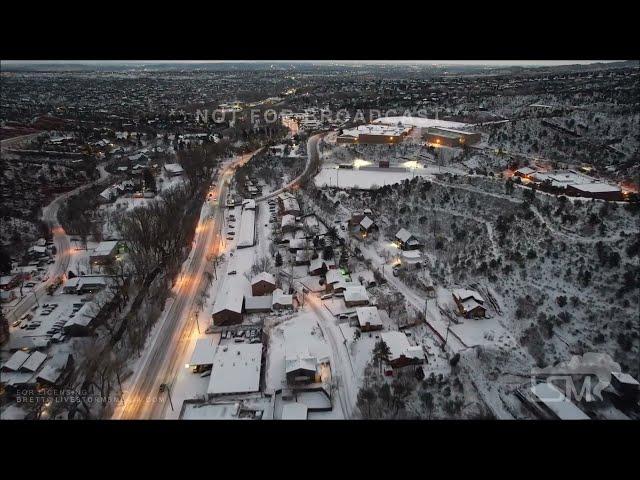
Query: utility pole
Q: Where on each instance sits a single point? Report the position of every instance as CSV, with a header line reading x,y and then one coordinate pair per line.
x,y
164,387
195,317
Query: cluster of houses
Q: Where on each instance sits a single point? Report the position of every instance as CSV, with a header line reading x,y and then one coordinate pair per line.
x,y
37,257
239,296
32,371
252,187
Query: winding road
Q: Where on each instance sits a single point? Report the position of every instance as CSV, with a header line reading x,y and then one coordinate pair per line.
x,y
62,244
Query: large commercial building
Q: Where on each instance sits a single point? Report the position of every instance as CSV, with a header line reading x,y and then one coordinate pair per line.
x,y
449,137
374,134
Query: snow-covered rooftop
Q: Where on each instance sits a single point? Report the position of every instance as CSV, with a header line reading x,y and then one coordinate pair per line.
x,y
294,411
399,346
15,361
282,299
366,223
356,293
173,168
555,400
204,351
34,361
368,316
419,122
333,276
463,294
246,237
263,277
231,295
403,235
106,247
236,369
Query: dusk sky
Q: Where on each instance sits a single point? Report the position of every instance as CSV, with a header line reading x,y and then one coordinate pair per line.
x,y
382,62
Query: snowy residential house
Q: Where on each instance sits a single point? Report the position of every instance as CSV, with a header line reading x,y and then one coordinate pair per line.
x,y
356,296
259,304
469,302
411,258
173,169
85,320
263,284
401,353
406,240
366,226
15,361
296,244
300,367
105,252
303,257
288,204
56,370
109,194
332,277
288,223
281,301
369,319
524,172
320,266
227,309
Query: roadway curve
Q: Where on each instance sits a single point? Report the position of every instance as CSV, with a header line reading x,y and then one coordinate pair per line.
x,y
142,400
62,244
313,162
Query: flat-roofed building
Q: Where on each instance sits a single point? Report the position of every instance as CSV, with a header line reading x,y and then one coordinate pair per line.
x,y
236,369
449,137
556,403
374,134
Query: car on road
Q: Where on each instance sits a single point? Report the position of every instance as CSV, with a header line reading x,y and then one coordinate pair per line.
x,y
16,323
396,271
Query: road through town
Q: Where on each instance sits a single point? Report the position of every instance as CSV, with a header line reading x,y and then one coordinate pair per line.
x,y
142,398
